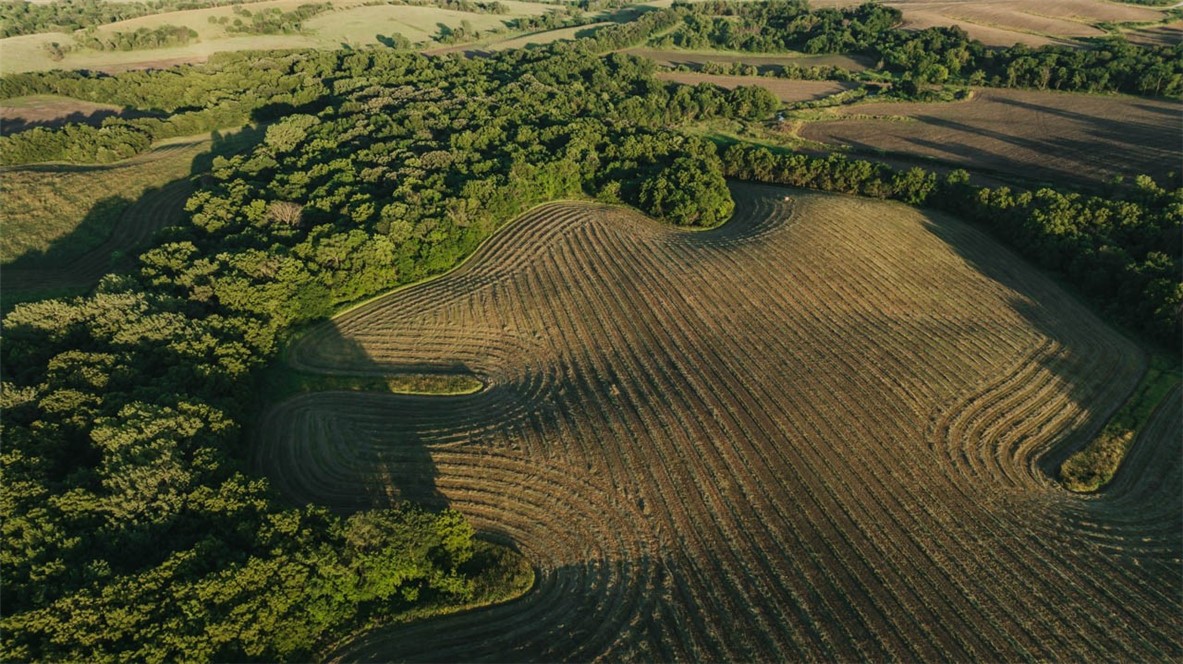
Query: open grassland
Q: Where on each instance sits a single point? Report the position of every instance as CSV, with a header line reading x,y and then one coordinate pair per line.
x,y
350,23
60,225
1051,136
1006,22
815,433
786,90
696,59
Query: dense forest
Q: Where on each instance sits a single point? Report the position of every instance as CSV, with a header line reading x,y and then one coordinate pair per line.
x,y
131,529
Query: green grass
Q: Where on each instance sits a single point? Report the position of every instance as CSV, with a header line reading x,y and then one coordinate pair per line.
x,y
282,382
1092,467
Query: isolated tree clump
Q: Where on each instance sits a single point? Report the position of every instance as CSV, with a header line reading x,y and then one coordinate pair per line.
x,y
689,192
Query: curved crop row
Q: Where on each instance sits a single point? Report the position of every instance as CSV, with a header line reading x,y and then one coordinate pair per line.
x,y
812,434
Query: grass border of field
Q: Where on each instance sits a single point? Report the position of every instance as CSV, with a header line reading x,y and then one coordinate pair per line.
x,y
1094,466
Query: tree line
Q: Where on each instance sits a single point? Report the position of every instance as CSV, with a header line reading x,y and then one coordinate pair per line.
x,y
1124,251
19,17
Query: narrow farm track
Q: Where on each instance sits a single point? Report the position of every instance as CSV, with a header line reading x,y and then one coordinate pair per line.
x,y
812,434
154,210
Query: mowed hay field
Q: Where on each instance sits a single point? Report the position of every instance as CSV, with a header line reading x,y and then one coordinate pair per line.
x,y
811,434
60,225
1007,22
786,90
1061,137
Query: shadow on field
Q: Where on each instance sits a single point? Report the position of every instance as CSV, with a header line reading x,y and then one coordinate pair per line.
x,y
107,238
18,123
1041,302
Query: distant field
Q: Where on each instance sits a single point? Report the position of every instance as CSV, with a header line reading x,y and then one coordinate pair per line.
x,y
60,225
1006,22
695,59
788,91
349,24
1162,35
1039,135
812,434
20,113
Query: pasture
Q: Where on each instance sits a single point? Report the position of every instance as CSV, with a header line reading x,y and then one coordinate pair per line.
x,y
350,23
1007,22
20,113
815,433
1041,136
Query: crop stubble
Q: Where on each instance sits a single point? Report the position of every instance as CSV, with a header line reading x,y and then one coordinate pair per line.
x,y
1040,135
813,433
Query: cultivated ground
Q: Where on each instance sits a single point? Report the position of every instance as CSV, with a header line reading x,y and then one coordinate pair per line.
x,y
816,433
1061,137
1006,22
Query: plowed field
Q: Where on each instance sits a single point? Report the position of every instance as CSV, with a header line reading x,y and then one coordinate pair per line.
x,y
815,433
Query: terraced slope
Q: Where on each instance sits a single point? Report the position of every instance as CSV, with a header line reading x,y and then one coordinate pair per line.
x,y
812,434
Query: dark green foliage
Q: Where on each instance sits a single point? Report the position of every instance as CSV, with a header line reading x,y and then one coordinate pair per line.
x,y
273,20
688,192
143,38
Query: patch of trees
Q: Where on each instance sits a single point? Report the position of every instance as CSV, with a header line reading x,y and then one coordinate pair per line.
x,y
19,17
552,20
130,527
930,56
1125,252
142,38
227,92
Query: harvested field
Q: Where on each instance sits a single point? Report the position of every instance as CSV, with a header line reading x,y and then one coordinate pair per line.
x,y
786,90
1005,22
763,62
811,434
1045,136
61,230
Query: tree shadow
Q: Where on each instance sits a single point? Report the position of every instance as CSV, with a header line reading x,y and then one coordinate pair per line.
x,y
106,238
18,123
